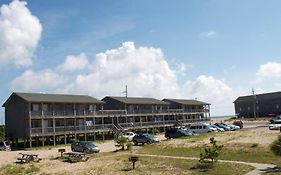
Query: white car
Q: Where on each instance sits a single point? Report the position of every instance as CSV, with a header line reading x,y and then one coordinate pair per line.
x,y
275,125
129,135
233,127
218,128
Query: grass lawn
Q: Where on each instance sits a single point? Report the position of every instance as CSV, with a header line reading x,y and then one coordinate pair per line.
x,y
119,164
248,152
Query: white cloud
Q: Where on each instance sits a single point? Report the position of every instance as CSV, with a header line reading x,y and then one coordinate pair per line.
x,y
72,63
208,35
143,69
37,81
20,33
208,89
268,71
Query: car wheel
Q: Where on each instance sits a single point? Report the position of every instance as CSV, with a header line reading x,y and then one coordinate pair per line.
x,y
148,142
135,142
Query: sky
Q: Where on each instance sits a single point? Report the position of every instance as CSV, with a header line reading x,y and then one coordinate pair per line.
x,y
212,50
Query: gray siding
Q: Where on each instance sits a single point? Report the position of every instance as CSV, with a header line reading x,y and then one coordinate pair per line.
x,y
16,118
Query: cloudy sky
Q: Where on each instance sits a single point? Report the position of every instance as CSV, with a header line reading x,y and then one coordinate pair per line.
x,y
212,50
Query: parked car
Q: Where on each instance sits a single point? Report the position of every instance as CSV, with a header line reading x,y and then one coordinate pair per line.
x,y
218,128
238,123
85,147
275,125
233,127
177,132
129,135
202,128
226,128
5,146
144,138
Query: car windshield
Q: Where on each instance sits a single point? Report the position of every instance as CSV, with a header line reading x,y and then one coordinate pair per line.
x,y
149,136
88,144
276,122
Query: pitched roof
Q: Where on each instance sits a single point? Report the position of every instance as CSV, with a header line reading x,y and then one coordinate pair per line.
x,y
56,98
186,101
138,100
271,95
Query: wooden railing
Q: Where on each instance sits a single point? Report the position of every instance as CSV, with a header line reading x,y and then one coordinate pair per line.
x,y
58,113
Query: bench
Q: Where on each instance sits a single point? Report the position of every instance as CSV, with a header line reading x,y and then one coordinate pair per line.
x,y
26,158
76,157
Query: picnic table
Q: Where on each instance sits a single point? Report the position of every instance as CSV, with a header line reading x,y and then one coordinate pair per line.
x,y
76,157
26,158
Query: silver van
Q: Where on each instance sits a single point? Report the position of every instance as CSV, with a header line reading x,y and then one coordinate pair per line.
x,y
202,128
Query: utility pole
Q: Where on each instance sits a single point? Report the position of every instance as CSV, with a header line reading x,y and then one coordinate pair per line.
x,y
254,104
126,91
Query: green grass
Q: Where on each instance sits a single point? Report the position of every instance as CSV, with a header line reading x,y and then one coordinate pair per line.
x,y
17,169
153,165
241,152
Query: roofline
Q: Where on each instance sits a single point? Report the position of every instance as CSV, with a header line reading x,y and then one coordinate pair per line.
x,y
16,93
171,99
164,103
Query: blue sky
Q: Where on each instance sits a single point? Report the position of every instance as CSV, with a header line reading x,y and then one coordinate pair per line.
x,y
215,50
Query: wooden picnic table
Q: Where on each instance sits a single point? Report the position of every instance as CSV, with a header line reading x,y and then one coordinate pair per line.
x,y
76,157
26,158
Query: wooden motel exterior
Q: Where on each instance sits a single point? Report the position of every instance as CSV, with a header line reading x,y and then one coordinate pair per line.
x,y
258,105
44,119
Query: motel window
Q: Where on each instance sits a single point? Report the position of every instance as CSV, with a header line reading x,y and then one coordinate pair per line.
x,y
35,107
277,106
249,108
45,107
240,109
258,107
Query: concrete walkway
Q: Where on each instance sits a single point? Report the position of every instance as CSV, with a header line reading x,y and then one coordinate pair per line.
x,y
259,167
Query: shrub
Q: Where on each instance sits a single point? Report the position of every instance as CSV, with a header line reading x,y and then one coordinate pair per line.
x,y
121,142
276,146
129,146
2,132
211,154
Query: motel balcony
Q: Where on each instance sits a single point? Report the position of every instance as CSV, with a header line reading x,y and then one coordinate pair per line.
x,y
73,113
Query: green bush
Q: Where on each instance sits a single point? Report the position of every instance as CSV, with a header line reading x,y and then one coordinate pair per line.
x,y
2,132
211,154
129,146
276,146
121,142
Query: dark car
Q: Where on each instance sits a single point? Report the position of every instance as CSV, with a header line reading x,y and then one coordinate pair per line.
x,y
85,147
176,132
144,138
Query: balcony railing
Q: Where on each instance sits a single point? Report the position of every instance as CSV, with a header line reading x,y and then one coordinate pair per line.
x,y
113,112
109,126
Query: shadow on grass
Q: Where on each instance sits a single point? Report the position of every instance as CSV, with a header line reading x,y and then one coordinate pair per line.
x,y
127,169
202,167
271,170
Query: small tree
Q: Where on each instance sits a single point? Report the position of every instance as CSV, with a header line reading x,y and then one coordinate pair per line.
x,y
211,153
121,142
276,146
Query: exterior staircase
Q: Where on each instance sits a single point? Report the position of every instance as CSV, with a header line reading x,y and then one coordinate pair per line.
x,y
117,131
